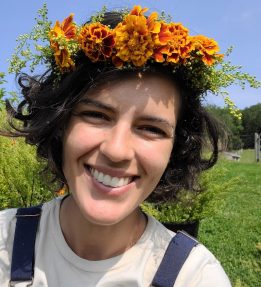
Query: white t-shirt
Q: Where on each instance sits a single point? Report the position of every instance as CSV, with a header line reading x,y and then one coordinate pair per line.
x,y
56,265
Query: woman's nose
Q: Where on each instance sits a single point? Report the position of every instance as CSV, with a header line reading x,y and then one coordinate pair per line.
x,y
117,144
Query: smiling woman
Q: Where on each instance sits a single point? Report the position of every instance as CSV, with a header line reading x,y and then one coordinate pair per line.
x,y
118,119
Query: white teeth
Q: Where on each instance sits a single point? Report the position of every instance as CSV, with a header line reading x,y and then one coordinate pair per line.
x,y
96,173
127,180
115,182
100,177
108,180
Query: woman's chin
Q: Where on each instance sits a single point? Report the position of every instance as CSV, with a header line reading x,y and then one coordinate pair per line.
x,y
103,213
105,219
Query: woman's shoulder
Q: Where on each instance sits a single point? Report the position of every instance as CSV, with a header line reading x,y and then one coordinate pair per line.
x,y
158,234
202,268
7,227
7,221
7,214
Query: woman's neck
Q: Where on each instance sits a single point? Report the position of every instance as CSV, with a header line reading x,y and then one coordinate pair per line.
x,y
98,242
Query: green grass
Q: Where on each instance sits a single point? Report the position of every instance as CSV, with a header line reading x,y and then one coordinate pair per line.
x,y
233,234
248,156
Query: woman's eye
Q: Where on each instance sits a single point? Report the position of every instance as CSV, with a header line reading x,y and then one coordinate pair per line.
x,y
154,131
94,115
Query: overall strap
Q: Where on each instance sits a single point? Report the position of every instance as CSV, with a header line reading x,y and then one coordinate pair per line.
x,y
173,260
22,268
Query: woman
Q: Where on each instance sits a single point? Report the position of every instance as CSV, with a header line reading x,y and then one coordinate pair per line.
x,y
119,119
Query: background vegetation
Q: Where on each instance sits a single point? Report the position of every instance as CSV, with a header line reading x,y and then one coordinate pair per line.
x,y
240,132
251,123
233,232
20,173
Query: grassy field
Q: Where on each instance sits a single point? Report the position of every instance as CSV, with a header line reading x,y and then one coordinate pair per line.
x,y
233,234
248,156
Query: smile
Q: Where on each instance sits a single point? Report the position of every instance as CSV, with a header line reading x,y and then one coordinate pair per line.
x,y
109,180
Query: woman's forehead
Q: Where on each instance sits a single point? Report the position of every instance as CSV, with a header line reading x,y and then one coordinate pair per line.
x,y
155,86
150,95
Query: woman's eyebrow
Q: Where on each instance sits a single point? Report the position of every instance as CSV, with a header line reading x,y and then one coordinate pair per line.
x,y
97,104
155,119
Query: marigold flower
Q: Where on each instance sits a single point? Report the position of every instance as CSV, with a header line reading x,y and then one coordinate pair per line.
x,y
97,41
117,62
133,37
138,11
207,48
62,191
174,45
63,59
60,35
153,24
164,35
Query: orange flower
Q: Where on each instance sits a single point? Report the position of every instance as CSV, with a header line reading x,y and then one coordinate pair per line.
x,y
63,59
133,37
164,35
207,48
174,45
161,39
67,28
97,41
62,191
138,11
152,23
60,35
117,62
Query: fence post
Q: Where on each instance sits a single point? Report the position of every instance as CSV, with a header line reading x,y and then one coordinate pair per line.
x,y
257,146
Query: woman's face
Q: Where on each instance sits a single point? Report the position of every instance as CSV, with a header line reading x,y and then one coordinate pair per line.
x,y
117,145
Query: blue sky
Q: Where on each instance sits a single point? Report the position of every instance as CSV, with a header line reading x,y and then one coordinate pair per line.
x,y
234,22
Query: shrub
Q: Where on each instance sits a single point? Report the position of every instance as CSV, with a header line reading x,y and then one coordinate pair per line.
x,y
190,206
20,180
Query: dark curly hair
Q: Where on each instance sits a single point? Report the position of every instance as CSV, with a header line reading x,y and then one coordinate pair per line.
x,y
47,106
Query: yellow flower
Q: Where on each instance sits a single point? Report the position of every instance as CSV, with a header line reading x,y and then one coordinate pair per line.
x,y
138,11
207,48
60,35
62,191
133,37
97,41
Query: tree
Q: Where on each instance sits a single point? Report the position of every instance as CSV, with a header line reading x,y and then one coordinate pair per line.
x,y
231,125
2,90
251,122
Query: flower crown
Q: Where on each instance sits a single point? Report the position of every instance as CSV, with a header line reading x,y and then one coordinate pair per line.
x,y
134,41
